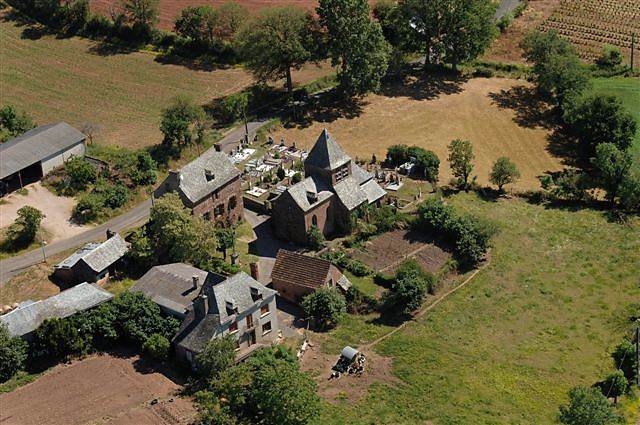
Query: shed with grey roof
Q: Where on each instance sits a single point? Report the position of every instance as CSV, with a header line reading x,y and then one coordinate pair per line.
x,y
24,320
92,262
37,152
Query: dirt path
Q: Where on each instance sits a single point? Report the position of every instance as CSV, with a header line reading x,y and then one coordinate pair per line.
x,y
57,210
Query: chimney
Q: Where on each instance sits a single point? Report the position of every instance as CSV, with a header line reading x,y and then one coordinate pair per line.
x,y
312,197
196,281
209,175
255,273
200,306
110,233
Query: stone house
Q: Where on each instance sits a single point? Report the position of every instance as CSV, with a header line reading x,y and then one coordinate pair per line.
x,y
295,275
238,306
93,262
334,187
210,186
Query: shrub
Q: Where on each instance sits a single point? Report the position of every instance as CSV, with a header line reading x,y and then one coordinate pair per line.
x,y
23,231
611,57
113,195
60,339
503,172
13,353
409,289
358,302
570,185
315,238
280,173
80,172
624,358
144,170
358,268
588,406
157,347
88,208
296,178
614,385
325,306
216,356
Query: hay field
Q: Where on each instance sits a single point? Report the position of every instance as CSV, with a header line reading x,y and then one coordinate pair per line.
x,y
474,110
77,81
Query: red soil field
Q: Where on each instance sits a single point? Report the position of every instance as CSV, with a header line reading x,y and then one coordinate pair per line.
x,y
169,9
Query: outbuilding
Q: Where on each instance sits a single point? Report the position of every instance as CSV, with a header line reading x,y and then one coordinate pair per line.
x,y
37,152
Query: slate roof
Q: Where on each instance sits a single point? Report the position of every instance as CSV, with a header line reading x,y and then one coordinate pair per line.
x,y
298,269
171,285
326,153
195,333
349,193
360,174
35,145
310,184
373,191
98,256
84,296
193,181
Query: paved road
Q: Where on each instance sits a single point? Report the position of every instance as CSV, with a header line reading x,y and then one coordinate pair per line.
x,y
14,265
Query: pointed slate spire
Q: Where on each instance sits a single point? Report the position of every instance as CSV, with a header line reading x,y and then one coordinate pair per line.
x,y
326,153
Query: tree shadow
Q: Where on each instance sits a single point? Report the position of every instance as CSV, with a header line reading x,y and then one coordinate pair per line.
x,y
201,63
417,84
531,109
31,30
324,107
104,48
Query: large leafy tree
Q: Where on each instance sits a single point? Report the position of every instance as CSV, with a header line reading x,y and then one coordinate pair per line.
x,y
143,14
460,157
409,289
601,119
197,23
13,123
588,406
624,358
355,43
614,385
216,356
182,123
276,42
468,29
229,19
23,231
427,25
325,306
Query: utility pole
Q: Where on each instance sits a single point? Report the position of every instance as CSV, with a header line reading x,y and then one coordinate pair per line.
x,y
246,126
638,356
42,244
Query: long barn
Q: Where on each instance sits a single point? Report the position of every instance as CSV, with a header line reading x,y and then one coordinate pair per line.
x,y
31,156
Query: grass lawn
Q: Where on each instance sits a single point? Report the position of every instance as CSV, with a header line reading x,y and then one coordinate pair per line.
x,y
364,283
430,114
628,91
507,347
78,80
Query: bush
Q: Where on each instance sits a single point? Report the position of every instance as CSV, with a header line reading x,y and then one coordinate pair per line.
x,y
570,185
60,339
296,178
216,356
13,354
611,57
358,302
315,238
409,289
23,231
325,306
156,347
113,195
144,171
588,406
88,208
80,172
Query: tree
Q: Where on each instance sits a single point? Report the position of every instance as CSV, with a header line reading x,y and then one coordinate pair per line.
x,y
614,385
624,358
427,163
315,238
355,43
91,130
587,406
613,168
23,230
59,339
216,356
503,172
611,57
141,254
280,173
80,172
397,154
197,23
142,14
469,28
285,396
425,18
296,178
157,347
460,157
325,306
229,18
409,289
226,237
13,353
601,119
557,70
276,42
144,170
13,123
182,123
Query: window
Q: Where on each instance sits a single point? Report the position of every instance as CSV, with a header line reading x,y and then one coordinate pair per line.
x,y
249,321
266,328
218,210
314,220
264,310
232,203
233,328
330,283
207,216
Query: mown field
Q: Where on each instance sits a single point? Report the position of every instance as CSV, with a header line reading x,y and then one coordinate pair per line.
x,y
78,80
489,112
541,318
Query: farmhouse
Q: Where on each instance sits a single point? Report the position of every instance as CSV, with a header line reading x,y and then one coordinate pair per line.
x,y
296,275
30,157
239,306
25,319
210,186
175,286
93,262
333,188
